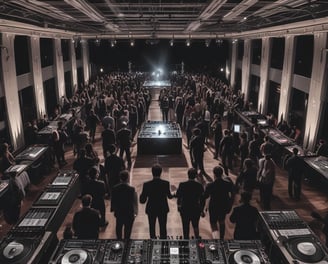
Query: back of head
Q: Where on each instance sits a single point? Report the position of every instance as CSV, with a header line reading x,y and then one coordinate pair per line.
x,y
93,173
156,170
86,200
88,147
124,175
112,149
218,171
295,151
248,163
82,153
245,197
226,132
192,173
196,131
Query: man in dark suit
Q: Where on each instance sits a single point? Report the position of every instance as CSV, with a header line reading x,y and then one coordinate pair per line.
x,y
86,221
221,196
113,166
155,193
123,137
226,150
295,168
197,150
108,138
124,204
96,189
245,216
190,203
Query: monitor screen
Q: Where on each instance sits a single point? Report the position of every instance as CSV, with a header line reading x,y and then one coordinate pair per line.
x,y
236,128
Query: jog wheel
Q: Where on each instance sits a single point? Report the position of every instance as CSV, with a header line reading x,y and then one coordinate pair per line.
x,y
244,257
76,256
15,251
305,249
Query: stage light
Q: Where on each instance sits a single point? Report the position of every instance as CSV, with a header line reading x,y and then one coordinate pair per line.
x,y
188,42
113,43
171,42
207,42
221,69
97,42
101,70
132,42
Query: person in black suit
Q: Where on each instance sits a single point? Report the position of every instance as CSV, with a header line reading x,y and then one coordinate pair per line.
x,y
190,203
113,166
155,192
295,168
108,138
123,137
221,194
226,150
196,147
97,190
245,216
124,204
86,222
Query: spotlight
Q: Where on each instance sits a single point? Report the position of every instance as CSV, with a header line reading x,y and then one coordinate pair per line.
x,y
234,41
132,42
171,42
221,70
97,42
219,41
113,43
101,70
207,42
188,42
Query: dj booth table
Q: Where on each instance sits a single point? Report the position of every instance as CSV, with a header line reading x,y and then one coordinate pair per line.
x,y
155,86
160,138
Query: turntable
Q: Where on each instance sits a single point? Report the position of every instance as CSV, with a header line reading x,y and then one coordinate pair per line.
x,y
17,249
78,252
211,251
245,251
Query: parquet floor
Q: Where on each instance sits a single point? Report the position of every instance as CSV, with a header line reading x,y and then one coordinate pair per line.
x,y
311,199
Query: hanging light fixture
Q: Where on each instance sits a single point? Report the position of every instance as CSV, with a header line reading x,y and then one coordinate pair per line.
x,y
207,42
132,42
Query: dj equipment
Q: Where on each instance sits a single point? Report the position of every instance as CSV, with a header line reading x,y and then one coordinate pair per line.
x,y
114,252
211,251
32,153
252,117
50,197
138,251
245,251
79,252
27,246
290,239
319,165
278,137
174,252
65,179
160,138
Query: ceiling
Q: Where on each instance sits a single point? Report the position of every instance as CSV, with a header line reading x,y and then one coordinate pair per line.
x,y
159,19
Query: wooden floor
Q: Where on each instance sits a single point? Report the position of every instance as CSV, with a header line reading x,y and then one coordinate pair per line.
x,y
311,199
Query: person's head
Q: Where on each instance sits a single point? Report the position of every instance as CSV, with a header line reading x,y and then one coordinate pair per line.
x,y
248,163
192,173
124,124
93,173
196,131
156,170
255,136
86,200
245,197
112,149
218,172
82,153
266,138
88,147
295,151
226,132
124,176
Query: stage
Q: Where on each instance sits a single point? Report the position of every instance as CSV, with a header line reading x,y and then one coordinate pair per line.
x,y
155,87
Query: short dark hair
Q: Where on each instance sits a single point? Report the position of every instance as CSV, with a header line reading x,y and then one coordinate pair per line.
x,y
192,173
93,172
86,200
295,151
124,175
156,170
112,148
245,197
248,163
218,171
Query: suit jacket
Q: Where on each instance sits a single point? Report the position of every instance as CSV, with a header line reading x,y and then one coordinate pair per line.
x,y
86,223
155,193
123,137
190,197
124,201
97,190
221,195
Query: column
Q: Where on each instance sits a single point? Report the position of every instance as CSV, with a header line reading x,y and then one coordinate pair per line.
x,y
264,75
36,69
317,93
59,68
234,58
246,67
15,123
73,65
85,61
287,77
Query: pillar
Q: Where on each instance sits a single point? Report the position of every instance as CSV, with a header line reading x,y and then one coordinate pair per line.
x,y
85,61
246,67
234,58
59,69
73,65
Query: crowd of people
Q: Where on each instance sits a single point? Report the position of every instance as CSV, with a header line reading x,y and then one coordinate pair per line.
x,y
119,104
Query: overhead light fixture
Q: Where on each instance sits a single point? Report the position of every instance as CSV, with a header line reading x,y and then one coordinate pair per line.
x,y
188,42
207,42
234,41
97,42
171,42
112,27
113,43
219,42
132,42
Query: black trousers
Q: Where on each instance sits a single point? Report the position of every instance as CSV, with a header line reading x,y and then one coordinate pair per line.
x,y
186,219
294,187
162,220
127,151
266,195
125,222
